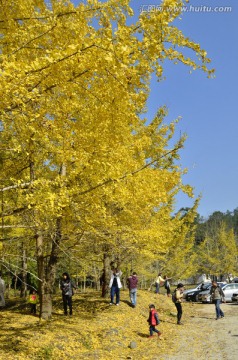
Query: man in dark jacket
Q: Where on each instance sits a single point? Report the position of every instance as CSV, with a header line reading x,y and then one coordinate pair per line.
x,y
217,296
67,286
132,286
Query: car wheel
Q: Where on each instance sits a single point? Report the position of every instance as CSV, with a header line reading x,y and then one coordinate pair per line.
x,y
196,298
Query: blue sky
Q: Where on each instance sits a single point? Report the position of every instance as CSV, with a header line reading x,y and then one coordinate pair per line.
x,y
207,106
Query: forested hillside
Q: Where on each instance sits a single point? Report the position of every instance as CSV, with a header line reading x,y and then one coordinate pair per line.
x,y
217,243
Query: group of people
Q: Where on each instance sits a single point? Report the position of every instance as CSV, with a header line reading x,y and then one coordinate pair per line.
x,y
160,281
177,296
67,287
115,285
217,297
132,281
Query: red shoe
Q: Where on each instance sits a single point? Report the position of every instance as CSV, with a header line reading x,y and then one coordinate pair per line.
x,y
159,333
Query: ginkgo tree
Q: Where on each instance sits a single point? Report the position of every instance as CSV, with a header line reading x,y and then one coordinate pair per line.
x,y
80,163
217,254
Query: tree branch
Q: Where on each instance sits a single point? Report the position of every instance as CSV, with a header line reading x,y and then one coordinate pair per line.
x,y
130,173
16,227
12,212
37,37
22,186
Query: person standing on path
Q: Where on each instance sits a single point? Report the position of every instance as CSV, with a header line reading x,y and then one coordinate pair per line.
x,y
67,286
115,285
2,291
217,296
132,286
159,282
178,293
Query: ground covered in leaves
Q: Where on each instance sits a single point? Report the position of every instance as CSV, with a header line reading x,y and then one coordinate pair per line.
x,y
98,331
95,331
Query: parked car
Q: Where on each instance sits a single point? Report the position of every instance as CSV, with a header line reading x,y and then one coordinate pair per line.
x,y
192,295
234,297
198,287
204,296
228,290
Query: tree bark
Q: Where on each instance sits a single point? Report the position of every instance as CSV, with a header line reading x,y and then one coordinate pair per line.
x,y
47,268
45,291
106,275
47,272
40,266
23,292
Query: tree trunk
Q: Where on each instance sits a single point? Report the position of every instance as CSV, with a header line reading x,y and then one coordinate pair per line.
x,y
106,275
40,266
47,272
45,283
24,273
46,309
15,283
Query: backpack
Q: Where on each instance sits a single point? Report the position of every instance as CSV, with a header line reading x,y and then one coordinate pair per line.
x,y
157,318
174,297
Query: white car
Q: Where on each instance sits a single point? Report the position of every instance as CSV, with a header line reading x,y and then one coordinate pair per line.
x,y
228,289
234,297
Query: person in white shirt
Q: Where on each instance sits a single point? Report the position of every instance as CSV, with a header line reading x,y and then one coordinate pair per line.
x,y
115,285
159,282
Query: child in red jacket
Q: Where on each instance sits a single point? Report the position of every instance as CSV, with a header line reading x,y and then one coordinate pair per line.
x,y
153,320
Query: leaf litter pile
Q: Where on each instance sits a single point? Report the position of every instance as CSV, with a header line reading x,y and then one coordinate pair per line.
x,y
97,330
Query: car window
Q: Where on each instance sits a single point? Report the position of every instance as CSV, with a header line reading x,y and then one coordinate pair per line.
x,y
231,286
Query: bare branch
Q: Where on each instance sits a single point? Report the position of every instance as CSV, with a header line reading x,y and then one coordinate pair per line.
x,y
16,227
21,186
3,263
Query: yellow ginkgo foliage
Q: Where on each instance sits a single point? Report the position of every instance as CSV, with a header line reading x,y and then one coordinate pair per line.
x,y
81,166
217,254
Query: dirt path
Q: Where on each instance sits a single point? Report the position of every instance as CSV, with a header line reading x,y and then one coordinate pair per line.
x,y
204,338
